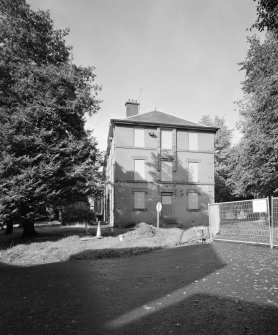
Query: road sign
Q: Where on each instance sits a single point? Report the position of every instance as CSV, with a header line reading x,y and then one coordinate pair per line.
x,y
159,207
158,210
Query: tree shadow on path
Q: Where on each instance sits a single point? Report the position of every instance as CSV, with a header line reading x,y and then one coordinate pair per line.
x,y
157,293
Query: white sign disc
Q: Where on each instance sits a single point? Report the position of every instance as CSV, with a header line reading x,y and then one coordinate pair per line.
x,y
159,207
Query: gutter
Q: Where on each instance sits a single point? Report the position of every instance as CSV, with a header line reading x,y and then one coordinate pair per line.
x,y
163,125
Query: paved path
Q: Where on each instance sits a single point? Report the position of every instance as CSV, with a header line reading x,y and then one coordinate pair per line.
x,y
215,288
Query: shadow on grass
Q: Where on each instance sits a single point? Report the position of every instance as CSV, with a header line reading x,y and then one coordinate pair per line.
x,y
112,253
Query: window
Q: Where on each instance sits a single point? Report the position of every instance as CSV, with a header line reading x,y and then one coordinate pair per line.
x,y
166,139
193,172
193,201
139,169
166,171
139,200
193,141
139,137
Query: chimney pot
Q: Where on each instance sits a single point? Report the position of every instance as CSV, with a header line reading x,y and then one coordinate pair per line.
x,y
132,107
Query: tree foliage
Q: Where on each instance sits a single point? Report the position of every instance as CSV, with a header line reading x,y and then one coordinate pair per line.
x,y
256,170
47,158
223,147
267,15
258,159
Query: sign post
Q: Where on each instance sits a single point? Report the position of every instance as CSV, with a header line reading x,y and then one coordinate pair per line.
x,y
158,210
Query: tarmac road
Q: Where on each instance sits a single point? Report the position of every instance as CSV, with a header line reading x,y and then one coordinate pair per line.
x,y
218,288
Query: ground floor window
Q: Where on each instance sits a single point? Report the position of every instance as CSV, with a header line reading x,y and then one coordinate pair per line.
x,y
193,201
139,200
166,200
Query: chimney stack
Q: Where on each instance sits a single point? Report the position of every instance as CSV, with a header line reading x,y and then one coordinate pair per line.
x,y
132,107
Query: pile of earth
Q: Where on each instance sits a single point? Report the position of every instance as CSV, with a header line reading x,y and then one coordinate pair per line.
x,y
148,235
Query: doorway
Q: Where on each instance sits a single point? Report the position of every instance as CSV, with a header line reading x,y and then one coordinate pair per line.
x,y
167,207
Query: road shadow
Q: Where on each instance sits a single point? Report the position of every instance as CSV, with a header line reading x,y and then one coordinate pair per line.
x,y
111,253
198,314
77,297
160,292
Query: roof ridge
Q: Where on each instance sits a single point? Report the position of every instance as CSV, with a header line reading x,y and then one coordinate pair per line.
x,y
162,118
167,114
128,117
180,118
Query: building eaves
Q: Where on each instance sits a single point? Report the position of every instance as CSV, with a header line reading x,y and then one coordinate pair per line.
x,y
164,125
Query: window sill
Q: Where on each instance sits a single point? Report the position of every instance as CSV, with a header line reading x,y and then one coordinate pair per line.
x,y
139,209
193,210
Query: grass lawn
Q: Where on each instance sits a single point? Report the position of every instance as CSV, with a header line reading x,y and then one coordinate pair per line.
x,y
56,243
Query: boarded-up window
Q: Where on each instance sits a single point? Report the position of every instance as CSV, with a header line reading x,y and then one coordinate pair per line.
x,y
193,172
139,137
166,200
139,200
193,200
139,169
166,171
193,141
166,139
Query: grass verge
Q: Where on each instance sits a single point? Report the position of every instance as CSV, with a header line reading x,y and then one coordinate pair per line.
x,y
143,238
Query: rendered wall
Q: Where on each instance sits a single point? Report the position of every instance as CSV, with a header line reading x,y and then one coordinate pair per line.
x,y
125,215
124,165
124,184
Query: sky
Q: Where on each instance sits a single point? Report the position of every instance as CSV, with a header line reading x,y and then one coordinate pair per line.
x,y
177,56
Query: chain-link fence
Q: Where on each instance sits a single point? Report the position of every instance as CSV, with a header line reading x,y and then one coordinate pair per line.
x,y
241,221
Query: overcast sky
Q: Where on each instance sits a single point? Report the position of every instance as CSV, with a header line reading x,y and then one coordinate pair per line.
x,y
181,54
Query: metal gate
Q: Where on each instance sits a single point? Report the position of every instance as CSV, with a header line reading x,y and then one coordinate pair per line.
x,y
244,221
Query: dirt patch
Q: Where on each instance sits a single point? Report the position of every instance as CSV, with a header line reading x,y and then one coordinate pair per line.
x,y
146,235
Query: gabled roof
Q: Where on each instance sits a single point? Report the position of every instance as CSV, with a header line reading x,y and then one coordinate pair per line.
x,y
156,116
162,119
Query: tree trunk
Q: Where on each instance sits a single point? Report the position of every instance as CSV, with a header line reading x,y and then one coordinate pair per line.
x,y
56,214
9,228
29,229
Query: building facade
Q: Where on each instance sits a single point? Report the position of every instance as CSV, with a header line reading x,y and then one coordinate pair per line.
x,y
156,157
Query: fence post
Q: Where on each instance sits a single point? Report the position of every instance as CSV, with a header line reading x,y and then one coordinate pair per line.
x,y
269,210
210,235
271,223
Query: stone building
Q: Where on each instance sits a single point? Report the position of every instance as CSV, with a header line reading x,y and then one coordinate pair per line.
x,y
156,157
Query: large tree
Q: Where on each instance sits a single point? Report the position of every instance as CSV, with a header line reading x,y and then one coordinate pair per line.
x,y
223,147
256,169
267,15
47,158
